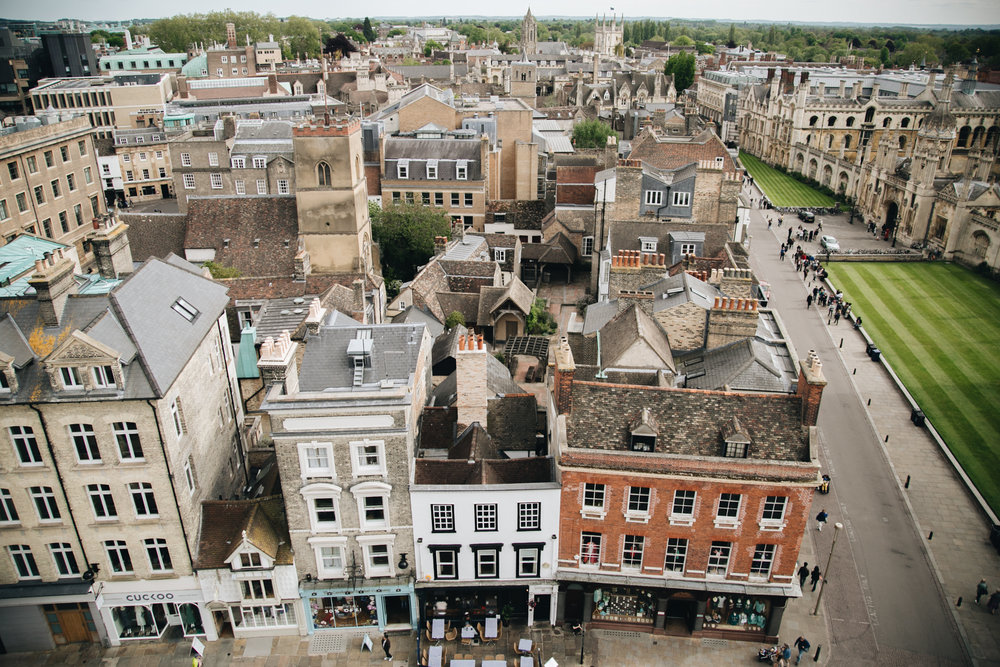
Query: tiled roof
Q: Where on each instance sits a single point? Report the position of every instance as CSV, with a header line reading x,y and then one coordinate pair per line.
x,y
620,335
672,152
155,234
223,523
258,235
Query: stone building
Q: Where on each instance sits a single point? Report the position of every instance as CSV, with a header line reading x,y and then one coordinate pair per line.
x,y
144,162
608,38
120,416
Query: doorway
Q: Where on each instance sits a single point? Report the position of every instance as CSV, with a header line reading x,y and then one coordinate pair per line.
x,y
542,605
574,604
680,614
511,330
397,610
165,191
74,625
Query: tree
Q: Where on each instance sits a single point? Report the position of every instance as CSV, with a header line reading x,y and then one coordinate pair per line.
x,y
704,47
219,271
454,319
683,40
303,36
681,67
430,47
731,42
405,234
591,134
540,321
339,46
369,32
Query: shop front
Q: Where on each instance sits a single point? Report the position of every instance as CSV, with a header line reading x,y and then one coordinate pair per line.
x,y
154,614
375,607
460,603
42,616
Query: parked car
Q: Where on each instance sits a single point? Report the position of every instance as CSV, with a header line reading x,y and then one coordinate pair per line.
x,y
807,216
830,244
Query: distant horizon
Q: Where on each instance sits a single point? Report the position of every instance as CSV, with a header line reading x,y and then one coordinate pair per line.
x,y
928,14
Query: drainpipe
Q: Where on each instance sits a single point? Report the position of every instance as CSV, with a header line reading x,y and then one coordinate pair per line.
x,y
223,343
62,484
170,476
667,205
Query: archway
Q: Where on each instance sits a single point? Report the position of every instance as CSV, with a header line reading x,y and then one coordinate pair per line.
x,y
980,243
813,167
827,175
799,161
891,215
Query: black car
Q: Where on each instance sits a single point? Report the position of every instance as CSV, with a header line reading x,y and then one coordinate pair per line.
x,y
807,216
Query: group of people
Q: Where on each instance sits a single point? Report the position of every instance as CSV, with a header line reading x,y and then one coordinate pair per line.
x,y
993,601
782,655
813,575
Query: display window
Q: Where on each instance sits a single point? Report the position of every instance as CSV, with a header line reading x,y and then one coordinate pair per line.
x,y
191,620
739,612
140,622
349,611
624,605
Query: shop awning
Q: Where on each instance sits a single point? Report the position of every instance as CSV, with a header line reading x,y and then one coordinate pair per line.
x,y
46,590
707,585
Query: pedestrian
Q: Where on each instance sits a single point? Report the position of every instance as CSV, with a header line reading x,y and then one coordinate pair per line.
x,y
781,255
803,645
803,574
769,223
809,300
836,317
386,645
981,589
781,219
821,519
814,577
786,654
994,602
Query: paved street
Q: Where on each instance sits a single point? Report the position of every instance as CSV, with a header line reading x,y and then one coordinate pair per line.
x,y
885,601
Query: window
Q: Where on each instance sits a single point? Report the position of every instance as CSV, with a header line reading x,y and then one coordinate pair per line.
x,y
456,199
330,561
158,154
442,518
368,457
48,159
184,309
78,214
632,552
590,548
8,512
13,171
22,202
259,162
462,170
373,512
403,169
142,154
468,199
129,175
688,249
126,157
189,476
316,459
283,188
39,195
378,559
143,500
676,554
85,443
774,509
323,174
487,562
486,517
425,198
213,159
432,170
87,176
185,159
439,199
648,245
654,197
45,503
102,501
588,246
3,210
396,198
64,153
70,182
729,508
718,558
189,181
763,558
32,164
593,497
528,558
323,511
63,222
500,255
118,556
24,561
158,554
216,181
261,186
445,563
104,377
23,438
683,506
257,589
240,185
529,516
682,199
64,558
736,449
238,162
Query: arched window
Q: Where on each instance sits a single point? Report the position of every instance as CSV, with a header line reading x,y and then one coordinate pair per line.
x,y
886,122
905,122
963,136
850,121
869,114
902,143
829,141
813,121
831,121
847,141
323,174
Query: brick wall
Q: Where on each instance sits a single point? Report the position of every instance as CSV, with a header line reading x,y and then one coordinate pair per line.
x,y
731,320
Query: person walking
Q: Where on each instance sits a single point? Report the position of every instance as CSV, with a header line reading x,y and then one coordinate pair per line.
x,y
781,255
786,654
981,588
803,574
994,602
803,645
821,519
809,300
386,646
814,577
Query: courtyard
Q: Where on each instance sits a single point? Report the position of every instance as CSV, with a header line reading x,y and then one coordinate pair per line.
x,y
780,188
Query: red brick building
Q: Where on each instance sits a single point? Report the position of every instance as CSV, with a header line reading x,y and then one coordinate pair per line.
x,y
682,510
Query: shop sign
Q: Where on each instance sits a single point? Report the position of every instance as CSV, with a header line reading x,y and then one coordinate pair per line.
x,y
153,597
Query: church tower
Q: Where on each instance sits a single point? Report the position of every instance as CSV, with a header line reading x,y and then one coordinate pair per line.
x,y
529,33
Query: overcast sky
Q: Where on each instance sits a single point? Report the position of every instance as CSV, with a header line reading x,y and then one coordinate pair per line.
x,y
928,12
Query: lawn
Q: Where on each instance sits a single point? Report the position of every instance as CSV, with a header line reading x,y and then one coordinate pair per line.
x,y
780,188
938,326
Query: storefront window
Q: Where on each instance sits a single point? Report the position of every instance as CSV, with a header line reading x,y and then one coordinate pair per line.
x,y
344,612
263,616
740,612
191,620
624,605
139,622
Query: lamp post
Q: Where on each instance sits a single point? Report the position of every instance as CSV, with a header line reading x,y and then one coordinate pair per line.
x,y
837,527
583,640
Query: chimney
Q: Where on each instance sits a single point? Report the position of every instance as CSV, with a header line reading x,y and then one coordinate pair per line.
x,y
597,68
904,90
52,281
810,387
440,245
231,35
840,91
731,320
876,86
182,87
111,247
856,89
301,266
736,283
277,363
470,375
272,84
315,316
642,299
358,313
562,384
228,127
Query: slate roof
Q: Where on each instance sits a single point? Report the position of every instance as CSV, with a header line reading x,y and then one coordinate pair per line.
x,y
416,315
498,383
556,250
224,521
395,354
466,303
277,315
672,152
751,365
629,326
691,422
505,471
446,345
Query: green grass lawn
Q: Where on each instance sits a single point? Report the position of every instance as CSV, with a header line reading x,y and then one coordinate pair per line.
x,y
780,188
938,326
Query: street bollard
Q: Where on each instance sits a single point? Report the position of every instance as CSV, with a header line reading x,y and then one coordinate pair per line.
x,y
907,485
841,343
854,372
887,438
959,602
819,647
931,536
869,401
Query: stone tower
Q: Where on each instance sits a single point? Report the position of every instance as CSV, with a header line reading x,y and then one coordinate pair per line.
x,y
529,33
523,79
332,196
607,37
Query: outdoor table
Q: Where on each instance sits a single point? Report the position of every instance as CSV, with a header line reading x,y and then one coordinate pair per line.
x,y
491,628
437,628
494,663
434,656
468,632
527,661
463,663
524,646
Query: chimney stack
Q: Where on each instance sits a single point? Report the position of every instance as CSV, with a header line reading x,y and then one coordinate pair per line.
x,y
470,375
277,363
810,387
53,282
111,247
231,35
562,388
358,287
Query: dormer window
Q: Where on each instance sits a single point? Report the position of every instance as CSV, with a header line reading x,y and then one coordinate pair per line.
x,y
643,432
70,378
104,377
251,559
462,170
403,169
737,440
648,244
654,197
239,162
432,170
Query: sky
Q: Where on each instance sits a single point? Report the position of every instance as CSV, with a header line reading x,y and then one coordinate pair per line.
x,y
923,12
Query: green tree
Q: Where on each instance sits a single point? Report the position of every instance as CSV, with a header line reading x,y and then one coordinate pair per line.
x,y
540,321
705,47
405,234
219,271
430,47
454,319
591,134
369,32
731,42
681,67
303,36
683,40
